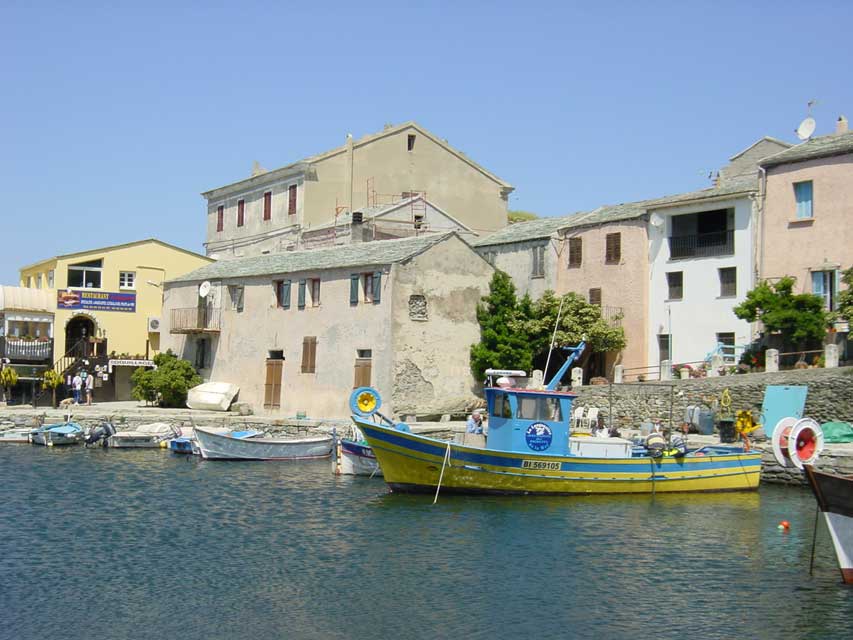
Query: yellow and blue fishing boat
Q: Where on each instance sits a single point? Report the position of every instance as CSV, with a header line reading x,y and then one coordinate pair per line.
x,y
529,450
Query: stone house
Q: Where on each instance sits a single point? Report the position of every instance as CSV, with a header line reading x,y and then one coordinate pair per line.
x,y
270,210
298,330
806,213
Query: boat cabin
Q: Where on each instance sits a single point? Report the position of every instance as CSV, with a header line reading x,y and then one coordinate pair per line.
x,y
532,421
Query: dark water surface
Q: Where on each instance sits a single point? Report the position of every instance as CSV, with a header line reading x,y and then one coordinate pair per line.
x,y
146,544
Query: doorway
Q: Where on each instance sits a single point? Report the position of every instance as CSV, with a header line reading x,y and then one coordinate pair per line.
x,y
77,332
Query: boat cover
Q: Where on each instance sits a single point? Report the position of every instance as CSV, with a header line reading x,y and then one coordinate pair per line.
x,y
65,429
212,396
251,433
837,432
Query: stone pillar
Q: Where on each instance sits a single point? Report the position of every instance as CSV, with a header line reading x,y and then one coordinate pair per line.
x,y
830,356
716,364
618,374
577,377
666,370
771,360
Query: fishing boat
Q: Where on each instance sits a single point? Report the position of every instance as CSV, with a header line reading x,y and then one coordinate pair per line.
x,y
214,445
145,436
11,433
529,450
834,494
354,457
52,435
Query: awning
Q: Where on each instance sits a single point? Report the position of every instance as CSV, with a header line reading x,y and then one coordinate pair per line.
x,y
27,299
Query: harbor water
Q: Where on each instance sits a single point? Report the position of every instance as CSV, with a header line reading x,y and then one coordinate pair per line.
x,y
99,543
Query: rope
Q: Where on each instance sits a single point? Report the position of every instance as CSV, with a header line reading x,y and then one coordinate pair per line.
x,y
814,537
441,475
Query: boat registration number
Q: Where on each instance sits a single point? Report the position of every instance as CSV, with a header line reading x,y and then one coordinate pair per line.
x,y
541,465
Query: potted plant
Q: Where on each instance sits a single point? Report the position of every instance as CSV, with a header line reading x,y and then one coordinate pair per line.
x,y
51,380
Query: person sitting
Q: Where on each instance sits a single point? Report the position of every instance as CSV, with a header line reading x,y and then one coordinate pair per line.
x,y
655,444
475,422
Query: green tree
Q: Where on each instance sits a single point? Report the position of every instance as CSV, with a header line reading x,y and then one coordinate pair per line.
x,y
8,379
169,382
51,380
520,216
501,345
845,298
799,317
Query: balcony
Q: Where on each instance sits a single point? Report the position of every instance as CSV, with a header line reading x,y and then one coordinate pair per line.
x,y
195,320
613,315
702,245
18,350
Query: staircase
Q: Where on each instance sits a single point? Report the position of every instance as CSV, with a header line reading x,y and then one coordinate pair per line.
x,y
62,366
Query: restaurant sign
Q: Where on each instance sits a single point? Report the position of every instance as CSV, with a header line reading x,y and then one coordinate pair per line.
x,y
95,300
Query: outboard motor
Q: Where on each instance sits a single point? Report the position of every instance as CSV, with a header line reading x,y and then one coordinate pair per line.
x,y
99,434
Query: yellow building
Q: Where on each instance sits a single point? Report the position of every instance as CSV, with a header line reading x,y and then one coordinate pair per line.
x,y
108,303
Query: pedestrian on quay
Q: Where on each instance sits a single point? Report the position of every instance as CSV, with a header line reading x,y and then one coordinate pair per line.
x,y
90,388
76,386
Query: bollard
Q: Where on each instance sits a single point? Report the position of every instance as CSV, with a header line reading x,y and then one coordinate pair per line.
x,y
618,374
666,370
771,360
830,356
577,377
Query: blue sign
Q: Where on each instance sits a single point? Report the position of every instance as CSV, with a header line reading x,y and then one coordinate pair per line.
x,y
95,300
538,436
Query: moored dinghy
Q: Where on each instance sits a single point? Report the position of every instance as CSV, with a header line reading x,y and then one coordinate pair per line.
x,y
529,451
145,436
57,434
228,446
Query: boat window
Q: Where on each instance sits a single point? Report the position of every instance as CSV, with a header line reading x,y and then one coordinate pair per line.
x,y
538,408
501,407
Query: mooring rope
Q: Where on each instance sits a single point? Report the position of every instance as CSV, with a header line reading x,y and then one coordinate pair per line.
x,y
441,475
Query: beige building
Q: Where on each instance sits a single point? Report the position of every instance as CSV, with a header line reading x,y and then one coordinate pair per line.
x,y
806,219
297,331
269,211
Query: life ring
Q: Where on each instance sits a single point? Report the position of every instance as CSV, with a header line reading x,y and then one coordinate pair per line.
x,y
365,401
798,441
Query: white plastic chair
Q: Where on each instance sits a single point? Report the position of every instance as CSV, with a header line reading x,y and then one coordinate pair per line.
x,y
577,417
591,419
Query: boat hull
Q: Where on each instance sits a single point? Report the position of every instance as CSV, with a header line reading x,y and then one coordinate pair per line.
x,y
15,436
136,442
50,439
216,446
413,463
834,494
358,459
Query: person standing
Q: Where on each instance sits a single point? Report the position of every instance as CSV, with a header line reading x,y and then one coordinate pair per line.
x,y
90,388
76,386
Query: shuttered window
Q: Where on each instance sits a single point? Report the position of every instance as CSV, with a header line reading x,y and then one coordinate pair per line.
x,y
315,292
613,248
354,283
309,354
300,298
728,282
220,218
291,200
363,367
282,293
575,252
595,296
368,287
268,205
241,211
377,286
272,385
538,270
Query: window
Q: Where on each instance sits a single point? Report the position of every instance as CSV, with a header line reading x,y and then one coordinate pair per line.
x,y
727,340
29,282
410,142
370,284
38,281
50,279
367,282
538,262
282,293
241,211
291,200
803,192
825,285
127,280
538,408
502,408
595,296
236,293
309,354
314,288
728,282
613,248
363,365
268,205
85,274
575,252
201,348
418,307
675,285
664,346
220,218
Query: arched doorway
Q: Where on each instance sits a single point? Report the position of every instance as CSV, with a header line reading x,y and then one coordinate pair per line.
x,y
78,328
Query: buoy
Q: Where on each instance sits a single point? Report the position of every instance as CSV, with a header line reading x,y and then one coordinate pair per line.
x,y
797,441
784,525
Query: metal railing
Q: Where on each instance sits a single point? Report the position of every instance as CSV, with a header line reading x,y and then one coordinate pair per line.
x,y
613,315
30,350
194,320
702,245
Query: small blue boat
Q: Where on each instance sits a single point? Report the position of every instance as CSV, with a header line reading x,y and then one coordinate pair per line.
x,y
51,435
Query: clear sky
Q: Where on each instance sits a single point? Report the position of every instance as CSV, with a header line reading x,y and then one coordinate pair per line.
x,y
113,118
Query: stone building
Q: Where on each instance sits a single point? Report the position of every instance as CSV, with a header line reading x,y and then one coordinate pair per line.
x,y
269,211
298,330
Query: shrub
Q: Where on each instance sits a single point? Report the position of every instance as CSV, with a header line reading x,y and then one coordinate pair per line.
x,y
168,384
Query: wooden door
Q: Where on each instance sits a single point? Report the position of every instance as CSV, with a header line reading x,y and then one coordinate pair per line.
x,y
272,385
362,372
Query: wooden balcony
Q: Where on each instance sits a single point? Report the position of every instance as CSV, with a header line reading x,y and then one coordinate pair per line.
x,y
194,320
26,350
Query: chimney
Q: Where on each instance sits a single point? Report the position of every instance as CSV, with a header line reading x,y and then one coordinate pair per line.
x,y
357,228
841,125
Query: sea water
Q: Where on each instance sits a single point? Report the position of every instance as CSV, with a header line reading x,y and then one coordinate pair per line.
x,y
100,543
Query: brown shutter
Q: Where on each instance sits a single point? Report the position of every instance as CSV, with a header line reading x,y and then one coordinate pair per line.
x,y
362,372
268,205
241,209
272,386
613,247
595,296
291,203
575,252
220,218
309,354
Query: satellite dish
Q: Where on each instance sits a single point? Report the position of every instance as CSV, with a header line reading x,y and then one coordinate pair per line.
x,y
806,128
656,220
203,289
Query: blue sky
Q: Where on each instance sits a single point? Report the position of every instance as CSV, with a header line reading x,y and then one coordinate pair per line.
x,y
114,118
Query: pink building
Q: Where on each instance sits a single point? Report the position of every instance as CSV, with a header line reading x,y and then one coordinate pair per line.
x,y
805,228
